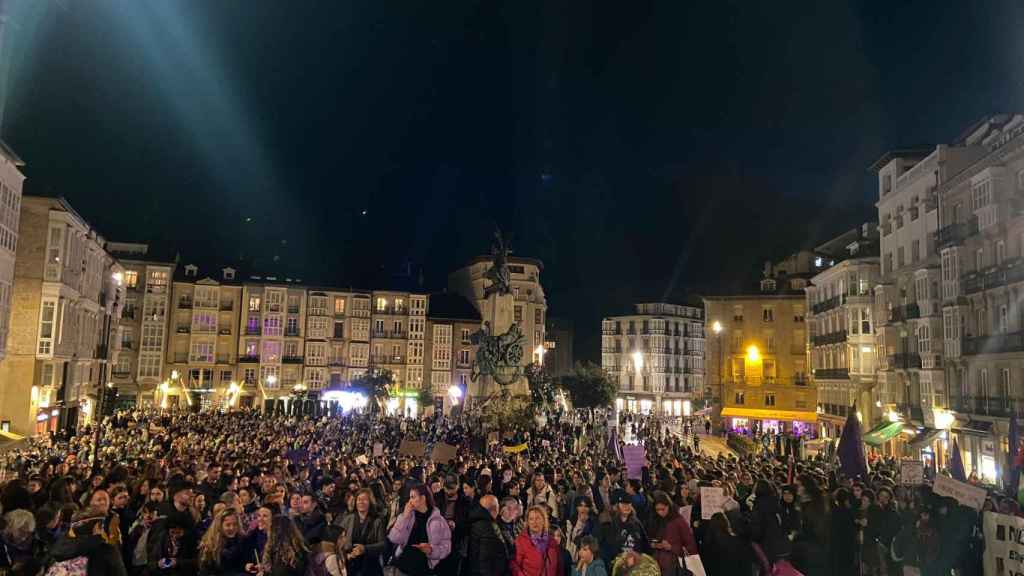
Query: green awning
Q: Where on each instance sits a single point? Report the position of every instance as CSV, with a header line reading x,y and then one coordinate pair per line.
x,y
882,433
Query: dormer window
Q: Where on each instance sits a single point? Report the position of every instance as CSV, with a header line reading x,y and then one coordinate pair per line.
x,y
768,285
191,270
229,273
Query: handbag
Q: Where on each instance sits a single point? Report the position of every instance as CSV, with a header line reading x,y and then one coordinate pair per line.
x,y
694,565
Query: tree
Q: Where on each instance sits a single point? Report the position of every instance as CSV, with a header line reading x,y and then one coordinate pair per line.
x,y
589,386
425,398
376,385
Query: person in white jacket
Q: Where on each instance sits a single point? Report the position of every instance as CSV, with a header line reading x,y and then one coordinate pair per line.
x,y
541,493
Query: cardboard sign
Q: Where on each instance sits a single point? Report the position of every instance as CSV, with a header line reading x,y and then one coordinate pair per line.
x,y
911,472
711,502
378,449
412,448
635,458
970,496
442,453
362,460
492,438
1004,544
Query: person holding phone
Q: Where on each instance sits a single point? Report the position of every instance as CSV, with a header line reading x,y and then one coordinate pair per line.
x,y
421,535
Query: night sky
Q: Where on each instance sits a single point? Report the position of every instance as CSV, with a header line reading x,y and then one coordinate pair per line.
x,y
642,150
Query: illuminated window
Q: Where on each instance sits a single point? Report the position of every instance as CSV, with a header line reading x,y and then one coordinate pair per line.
x,y
382,304
131,278
339,305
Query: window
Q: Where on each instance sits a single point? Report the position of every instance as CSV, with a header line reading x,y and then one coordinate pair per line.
x,y
770,338
149,365
464,357
538,316
131,278
382,304
254,303
204,322
442,347
46,326
396,328
339,305
339,329
378,328
318,305
292,326
201,352
249,376
923,339
399,304
767,314
518,314
737,313
1000,252
226,376
979,259
740,397
915,250
1004,384
1003,319
983,383
465,336
316,354
272,326
900,258
271,351
888,263
156,283
798,314
291,349
769,398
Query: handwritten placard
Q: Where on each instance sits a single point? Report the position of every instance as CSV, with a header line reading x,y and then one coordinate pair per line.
x,y
911,472
970,496
442,453
412,448
378,449
712,501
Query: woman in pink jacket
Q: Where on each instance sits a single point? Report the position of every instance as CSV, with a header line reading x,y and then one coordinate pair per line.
x,y
537,551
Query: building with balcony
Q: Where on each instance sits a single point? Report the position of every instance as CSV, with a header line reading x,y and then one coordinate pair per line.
x,y
840,326
65,305
529,302
558,356
657,356
202,351
11,180
757,342
452,321
139,369
271,339
980,239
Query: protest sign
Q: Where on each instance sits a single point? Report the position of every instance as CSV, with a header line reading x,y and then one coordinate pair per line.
x,y
1004,544
911,472
442,453
412,448
635,458
378,449
970,496
711,501
515,449
362,460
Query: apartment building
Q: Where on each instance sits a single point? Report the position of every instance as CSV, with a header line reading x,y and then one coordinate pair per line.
x,y
202,351
271,344
980,240
139,369
757,351
657,355
451,322
841,327
911,384
65,305
11,181
529,301
559,358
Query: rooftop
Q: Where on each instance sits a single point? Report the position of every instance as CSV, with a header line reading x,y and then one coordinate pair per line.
x,y
449,306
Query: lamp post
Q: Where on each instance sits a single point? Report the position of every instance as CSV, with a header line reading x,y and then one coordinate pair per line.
x,y
717,329
638,366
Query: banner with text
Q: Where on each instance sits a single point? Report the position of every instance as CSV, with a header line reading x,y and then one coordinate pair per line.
x,y
962,492
1004,545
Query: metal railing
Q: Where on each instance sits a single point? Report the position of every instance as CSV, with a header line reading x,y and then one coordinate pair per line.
x,y
999,406
993,344
830,338
905,312
956,233
826,305
903,361
291,359
832,373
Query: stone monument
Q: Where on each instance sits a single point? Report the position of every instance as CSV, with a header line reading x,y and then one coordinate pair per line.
x,y
499,354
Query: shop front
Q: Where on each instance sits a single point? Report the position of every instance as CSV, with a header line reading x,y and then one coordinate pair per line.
x,y
747,420
884,438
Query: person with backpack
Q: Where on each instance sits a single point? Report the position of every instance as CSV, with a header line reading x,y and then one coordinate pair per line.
x,y
84,551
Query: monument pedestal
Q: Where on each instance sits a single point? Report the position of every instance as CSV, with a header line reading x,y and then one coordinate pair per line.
x,y
499,312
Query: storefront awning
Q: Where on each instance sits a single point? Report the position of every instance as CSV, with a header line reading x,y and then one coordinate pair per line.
x,y
10,435
882,433
757,414
925,438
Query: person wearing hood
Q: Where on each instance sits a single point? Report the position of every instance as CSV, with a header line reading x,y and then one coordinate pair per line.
x,y
789,514
623,531
86,542
765,526
486,552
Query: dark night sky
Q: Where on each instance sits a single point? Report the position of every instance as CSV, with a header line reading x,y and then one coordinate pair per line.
x,y
640,149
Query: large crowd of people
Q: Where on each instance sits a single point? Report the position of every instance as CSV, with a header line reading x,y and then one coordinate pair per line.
x,y
244,493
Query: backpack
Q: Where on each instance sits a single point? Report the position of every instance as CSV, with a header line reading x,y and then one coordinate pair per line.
x,y
77,566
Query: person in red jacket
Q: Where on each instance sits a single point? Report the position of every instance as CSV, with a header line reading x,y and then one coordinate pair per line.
x,y
671,537
537,552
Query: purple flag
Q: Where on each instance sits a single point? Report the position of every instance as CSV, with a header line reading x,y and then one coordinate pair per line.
x,y
851,448
956,464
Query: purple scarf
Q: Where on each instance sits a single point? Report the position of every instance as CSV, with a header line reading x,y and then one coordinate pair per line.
x,y
541,542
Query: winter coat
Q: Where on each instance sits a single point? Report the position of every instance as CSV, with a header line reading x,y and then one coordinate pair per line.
x,y
312,526
439,536
104,559
373,540
616,535
678,534
157,543
233,557
545,496
726,555
766,529
844,542
486,553
595,568
528,560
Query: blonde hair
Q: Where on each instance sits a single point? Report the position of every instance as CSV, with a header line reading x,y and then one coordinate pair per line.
x,y
213,541
537,509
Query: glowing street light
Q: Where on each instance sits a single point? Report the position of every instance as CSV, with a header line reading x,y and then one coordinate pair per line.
x,y
271,380
638,360
753,354
538,353
716,327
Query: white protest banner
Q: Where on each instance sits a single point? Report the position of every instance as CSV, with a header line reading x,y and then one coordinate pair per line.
x,y
635,458
1004,544
911,472
711,501
962,492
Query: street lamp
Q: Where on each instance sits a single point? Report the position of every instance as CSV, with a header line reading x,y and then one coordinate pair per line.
x,y
717,329
538,353
638,365
753,354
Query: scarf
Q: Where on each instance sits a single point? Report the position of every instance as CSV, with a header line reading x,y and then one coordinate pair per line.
x,y
540,542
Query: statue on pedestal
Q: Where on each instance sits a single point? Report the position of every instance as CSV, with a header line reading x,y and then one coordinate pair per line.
x,y
498,273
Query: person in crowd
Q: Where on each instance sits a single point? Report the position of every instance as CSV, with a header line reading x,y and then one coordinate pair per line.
x,y
537,551
85,544
622,531
789,515
588,559
540,493
311,521
222,550
671,537
487,553
366,536
421,535
724,553
581,523
285,553
765,523
18,544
